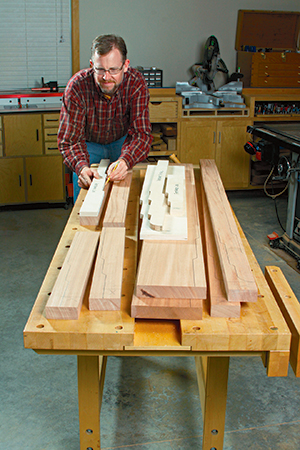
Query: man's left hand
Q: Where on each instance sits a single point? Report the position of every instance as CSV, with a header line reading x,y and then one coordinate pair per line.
x,y
117,170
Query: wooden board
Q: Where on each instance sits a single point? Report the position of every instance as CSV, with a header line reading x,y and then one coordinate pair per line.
x,y
115,213
175,269
92,207
237,276
290,308
219,305
166,308
106,288
67,295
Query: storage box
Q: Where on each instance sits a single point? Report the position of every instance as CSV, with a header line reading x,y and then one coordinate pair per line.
x,y
273,37
152,76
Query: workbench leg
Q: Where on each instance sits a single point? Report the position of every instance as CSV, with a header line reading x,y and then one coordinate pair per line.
x,y
212,375
91,375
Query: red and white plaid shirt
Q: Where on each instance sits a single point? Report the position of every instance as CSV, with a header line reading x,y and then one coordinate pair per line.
x,y
88,115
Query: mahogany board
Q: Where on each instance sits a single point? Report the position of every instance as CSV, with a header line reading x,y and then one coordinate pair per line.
x,y
166,308
237,275
106,288
219,306
175,269
67,295
115,213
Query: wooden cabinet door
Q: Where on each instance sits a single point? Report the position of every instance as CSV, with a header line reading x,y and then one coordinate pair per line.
x,y
23,134
198,140
231,159
12,183
45,179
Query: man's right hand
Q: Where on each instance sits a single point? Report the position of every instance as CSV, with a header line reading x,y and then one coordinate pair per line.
x,y
86,176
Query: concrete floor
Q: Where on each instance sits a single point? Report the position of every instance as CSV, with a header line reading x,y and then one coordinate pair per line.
x,y
149,403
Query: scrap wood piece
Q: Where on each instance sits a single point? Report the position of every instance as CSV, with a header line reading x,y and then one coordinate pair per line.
x,y
166,308
175,269
106,287
290,308
94,201
237,275
218,303
66,298
115,213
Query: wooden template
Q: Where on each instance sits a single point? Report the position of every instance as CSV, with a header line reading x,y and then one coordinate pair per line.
x,y
94,201
67,295
175,269
163,203
219,306
115,213
238,278
106,288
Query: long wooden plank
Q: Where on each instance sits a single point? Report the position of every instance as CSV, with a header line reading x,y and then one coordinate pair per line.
x,y
290,308
238,278
67,295
106,288
166,308
175,269
219,305
115,213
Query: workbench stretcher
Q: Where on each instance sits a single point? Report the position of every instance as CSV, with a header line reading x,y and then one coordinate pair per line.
x,y
96,335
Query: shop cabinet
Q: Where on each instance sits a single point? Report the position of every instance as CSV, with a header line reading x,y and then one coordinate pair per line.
x,y
12,183
219,139
23,134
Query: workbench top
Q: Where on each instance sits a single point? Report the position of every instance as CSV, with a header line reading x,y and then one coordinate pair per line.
x,y
261,329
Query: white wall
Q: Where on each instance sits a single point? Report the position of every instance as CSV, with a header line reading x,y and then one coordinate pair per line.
x,y
169,34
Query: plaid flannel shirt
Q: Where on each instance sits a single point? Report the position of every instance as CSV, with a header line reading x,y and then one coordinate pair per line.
x,y
88,115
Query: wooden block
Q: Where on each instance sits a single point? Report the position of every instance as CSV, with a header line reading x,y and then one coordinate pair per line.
x,y
106,288
94,201
168,130
115,213
67,295
175,269
219,305
237,276
166,308
290,308
171,143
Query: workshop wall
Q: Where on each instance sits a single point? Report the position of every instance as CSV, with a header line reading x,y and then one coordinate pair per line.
x,y
169,34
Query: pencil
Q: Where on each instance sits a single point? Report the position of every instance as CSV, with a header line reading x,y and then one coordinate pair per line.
x,y
112,171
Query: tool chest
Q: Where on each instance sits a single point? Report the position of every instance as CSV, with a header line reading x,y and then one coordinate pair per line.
x,y
267,43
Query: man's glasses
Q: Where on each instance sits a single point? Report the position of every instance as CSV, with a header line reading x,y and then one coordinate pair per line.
x,y
112,71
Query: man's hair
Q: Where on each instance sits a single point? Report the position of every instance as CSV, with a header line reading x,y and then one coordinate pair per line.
x,y
106,42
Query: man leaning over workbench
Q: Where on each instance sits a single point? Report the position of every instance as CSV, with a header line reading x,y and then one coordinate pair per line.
x,y
104,115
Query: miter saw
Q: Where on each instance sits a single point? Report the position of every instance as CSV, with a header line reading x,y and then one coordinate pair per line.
x,y
200,91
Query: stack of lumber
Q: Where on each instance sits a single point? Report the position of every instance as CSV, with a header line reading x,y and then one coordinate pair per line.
x,y
230,279
94,263
164,137
170,282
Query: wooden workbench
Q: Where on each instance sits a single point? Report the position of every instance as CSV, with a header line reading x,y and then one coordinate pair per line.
x,y
261,330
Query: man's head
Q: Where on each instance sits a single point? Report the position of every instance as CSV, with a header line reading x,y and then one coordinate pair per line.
x,y
109,61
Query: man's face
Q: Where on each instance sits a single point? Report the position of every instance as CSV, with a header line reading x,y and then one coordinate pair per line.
x,y
109,82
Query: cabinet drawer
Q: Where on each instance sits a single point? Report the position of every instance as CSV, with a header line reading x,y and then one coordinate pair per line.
x,y
163,110
50,134
51,120
51,148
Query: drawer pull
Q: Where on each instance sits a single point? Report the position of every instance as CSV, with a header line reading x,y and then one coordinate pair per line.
x,y
51,134
30,179
214,141
37,135
156,103
20,180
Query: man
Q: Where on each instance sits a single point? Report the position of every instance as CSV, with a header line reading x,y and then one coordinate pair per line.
x,y
104,115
